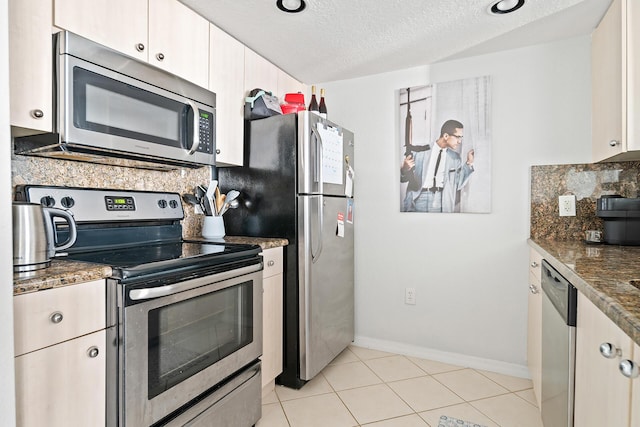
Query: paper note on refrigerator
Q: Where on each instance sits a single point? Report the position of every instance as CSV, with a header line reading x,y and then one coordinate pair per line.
x,y
332,163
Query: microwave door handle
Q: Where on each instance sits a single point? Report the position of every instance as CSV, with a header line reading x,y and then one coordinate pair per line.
x,y
196,127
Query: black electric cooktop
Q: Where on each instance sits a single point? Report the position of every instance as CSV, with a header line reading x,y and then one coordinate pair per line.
x,y
168,258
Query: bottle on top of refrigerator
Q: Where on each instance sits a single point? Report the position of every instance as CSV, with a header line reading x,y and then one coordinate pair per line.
x,y
322,109
313,105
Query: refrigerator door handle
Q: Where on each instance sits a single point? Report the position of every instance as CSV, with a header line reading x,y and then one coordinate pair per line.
x,y
315,256
319,167
319,159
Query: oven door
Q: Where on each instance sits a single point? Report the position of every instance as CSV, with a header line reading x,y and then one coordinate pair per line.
x,y
182,339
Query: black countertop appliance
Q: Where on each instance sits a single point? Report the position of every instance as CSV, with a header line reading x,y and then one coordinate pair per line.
x,y
621,216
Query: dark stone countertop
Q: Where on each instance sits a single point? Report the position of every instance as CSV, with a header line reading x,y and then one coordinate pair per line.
x,y
64,273
603,274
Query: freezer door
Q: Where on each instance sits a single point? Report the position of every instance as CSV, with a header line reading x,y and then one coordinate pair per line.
x,y
325,152
326,281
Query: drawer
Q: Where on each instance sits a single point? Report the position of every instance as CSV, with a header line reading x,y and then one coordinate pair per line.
x,y
535,264
51,316
273,261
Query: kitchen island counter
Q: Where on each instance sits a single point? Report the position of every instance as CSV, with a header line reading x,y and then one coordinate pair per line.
x,y
64,273
603,274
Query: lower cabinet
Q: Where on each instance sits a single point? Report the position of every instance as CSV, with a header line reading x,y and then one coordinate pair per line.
x,y
63,385
534,323
60,364
635,392
272,311
603,395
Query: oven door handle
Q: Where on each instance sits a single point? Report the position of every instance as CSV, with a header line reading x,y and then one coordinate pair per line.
x,y
163,291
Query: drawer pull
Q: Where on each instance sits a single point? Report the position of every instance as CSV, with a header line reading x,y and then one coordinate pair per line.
x,y
609,350
37,114
93,352
629,368
534,264
56,317
271,263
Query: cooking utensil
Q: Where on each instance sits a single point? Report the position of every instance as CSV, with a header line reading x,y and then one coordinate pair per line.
x,y
232,195
212,190
34,241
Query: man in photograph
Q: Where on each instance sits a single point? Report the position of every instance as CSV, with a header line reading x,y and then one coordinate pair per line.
x,y
435,176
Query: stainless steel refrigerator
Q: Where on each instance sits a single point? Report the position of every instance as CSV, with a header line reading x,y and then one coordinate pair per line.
x,y
297,183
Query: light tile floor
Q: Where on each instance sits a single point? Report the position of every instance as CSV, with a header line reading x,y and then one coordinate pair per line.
x,y
364,387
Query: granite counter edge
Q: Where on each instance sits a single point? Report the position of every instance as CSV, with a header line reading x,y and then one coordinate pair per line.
x,y
612,308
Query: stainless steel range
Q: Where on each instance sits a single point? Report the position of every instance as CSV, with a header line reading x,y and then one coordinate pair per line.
x,y
185,317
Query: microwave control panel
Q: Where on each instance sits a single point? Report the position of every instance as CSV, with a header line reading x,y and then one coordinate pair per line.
x,y
207,132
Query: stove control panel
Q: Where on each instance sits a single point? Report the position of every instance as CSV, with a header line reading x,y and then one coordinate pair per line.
x,y
103,205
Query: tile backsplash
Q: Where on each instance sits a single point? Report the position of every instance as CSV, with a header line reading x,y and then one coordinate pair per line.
x,y
42,171
587,182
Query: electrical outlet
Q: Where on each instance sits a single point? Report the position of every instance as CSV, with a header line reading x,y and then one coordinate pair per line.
x,y
410,296
567,205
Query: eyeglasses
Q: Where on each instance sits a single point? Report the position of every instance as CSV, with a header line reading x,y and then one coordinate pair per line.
x,y
459,137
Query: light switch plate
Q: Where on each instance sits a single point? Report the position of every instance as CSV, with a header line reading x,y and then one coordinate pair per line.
x,y
567,205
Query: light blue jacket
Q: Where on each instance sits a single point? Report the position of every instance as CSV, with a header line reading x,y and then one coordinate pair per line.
x,y
456,176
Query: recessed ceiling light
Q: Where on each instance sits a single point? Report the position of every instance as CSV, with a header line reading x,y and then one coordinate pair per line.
x,y
291,6
506,6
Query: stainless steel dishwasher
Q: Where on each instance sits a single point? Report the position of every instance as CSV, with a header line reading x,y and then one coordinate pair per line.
x,y
559,306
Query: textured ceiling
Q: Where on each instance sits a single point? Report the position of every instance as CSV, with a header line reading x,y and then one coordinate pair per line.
x,y
341,39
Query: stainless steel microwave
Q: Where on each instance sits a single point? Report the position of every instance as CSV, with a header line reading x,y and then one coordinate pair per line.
x,y
114,109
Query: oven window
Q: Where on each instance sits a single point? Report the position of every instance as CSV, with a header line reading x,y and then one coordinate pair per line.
x,y
105,105
188,336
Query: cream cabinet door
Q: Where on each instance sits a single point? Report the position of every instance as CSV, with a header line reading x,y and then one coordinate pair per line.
x,y
272,313
179,41
63,385
288,84
534,323
30,66
602,395
608,75
226,79
635,393
118,24
259,73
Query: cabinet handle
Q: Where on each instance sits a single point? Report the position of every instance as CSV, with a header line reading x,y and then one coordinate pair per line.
x,y
629,368
160,56
56,317
37,114
534,264
271,263
93,352
613,143
139,47
609,350
534,289
217,151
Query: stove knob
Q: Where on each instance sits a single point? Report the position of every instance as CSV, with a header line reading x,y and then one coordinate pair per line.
x,y
47,201
67,202
173,204
162,203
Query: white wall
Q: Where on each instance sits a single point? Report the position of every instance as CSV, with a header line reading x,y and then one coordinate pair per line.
x,y
470,271
7,401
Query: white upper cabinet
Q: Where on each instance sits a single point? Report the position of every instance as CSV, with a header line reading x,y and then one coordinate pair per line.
x,y
259,73
615,73
118,24
226,79
165,33
287,84
179,40
30,66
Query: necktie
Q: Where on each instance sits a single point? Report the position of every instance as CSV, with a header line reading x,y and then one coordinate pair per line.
x,y
437,164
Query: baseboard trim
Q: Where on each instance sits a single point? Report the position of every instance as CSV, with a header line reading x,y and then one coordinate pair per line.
x,y
474,362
